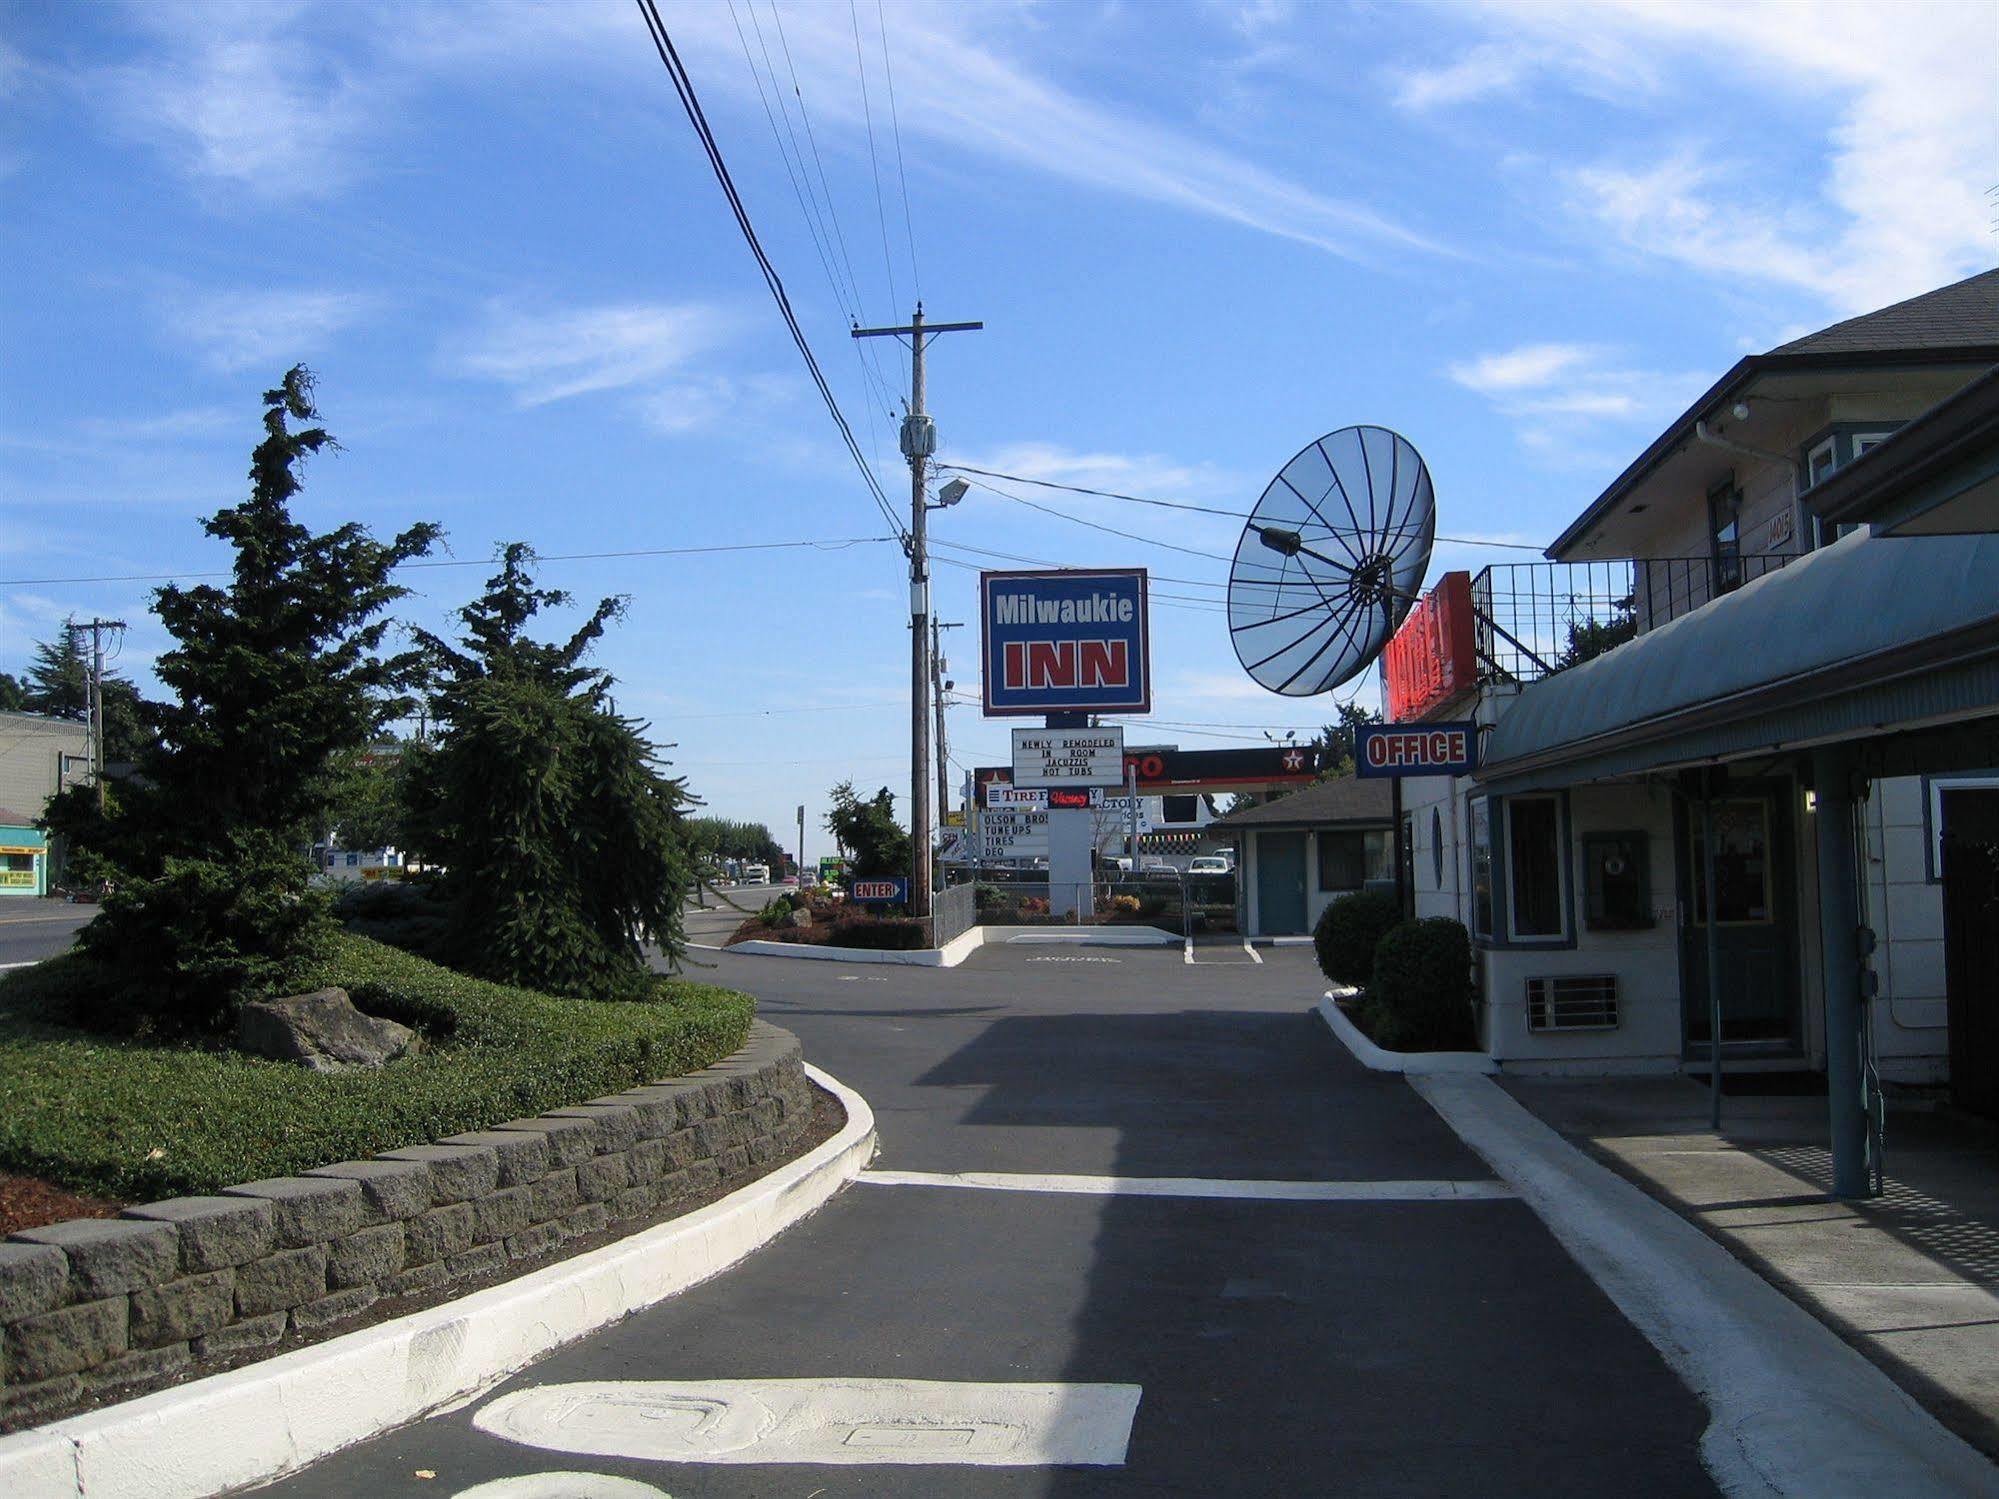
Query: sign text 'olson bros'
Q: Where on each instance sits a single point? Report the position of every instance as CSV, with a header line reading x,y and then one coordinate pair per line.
x,y
1068,641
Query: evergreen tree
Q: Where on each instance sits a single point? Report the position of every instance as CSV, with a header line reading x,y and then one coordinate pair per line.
x,y
58,686
1336,741
271,676
13,696
562,844
867,827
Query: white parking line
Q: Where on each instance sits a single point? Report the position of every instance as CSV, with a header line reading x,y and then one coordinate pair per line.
x,y
1195,1186
1255,956
843,1421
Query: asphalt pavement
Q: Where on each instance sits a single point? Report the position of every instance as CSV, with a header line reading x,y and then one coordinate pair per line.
x,y
31,930
1100,1338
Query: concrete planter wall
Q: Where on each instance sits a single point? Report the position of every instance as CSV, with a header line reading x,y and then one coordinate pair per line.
x,y
96,1303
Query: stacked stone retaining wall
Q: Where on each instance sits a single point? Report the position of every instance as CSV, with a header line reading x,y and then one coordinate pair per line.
x,y
97,1303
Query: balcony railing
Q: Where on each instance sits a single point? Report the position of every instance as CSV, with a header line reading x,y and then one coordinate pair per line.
x,y
1535,618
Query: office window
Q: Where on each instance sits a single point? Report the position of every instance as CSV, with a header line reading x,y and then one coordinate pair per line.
x,y
1617,887
1347,861
1480,844
1534,883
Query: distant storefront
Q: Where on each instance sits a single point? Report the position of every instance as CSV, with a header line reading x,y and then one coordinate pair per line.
x,y
24,856
1299,853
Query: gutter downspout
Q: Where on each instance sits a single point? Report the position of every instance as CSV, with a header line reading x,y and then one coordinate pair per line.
x,y
1713,439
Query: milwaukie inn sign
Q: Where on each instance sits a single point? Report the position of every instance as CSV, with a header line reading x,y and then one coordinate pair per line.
x,y
1069,641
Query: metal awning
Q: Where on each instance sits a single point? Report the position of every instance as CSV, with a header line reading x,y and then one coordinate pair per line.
x,y
1866,637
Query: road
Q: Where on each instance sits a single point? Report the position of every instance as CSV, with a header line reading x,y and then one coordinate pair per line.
x,y
31,930
1216,1343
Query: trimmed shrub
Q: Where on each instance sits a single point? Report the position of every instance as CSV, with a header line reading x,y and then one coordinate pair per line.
x,y
1420,998
775,913
1350,930
408,914
138,1120
889,936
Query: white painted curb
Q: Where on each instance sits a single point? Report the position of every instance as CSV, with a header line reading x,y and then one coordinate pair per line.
x,y
1411,1063
254,1424
1795,1410
950,955
1086,936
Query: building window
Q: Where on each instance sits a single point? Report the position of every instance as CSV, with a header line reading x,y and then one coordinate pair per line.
x,y
1724,513
1480,844
1347,861
1617,883
1536,899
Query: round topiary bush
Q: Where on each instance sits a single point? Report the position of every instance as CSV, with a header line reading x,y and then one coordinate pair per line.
x,y
1421,996
1349,931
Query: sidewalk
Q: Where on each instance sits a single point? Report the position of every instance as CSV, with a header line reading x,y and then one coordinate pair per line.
x,y
1911,1279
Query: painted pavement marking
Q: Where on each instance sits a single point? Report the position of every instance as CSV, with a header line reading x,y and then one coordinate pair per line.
x,y
831,1421
1255,956
562,1486
1196,1186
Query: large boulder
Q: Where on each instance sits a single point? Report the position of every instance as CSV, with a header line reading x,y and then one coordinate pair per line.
x,y
800,917
322,1029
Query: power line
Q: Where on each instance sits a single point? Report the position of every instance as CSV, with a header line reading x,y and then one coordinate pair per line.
x,y
1136,499
1093,525
683,86
836,545
902,176
867,114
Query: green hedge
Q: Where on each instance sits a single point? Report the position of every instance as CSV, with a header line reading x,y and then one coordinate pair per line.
x,y
1421,996
1349,931
138,1120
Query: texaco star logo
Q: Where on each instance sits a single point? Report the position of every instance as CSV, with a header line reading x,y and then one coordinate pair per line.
x,y
1294,760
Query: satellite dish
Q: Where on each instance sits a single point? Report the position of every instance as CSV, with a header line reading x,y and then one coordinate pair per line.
x,y
1332,557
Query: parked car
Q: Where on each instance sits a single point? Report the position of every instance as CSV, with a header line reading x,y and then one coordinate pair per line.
x,y
1211,864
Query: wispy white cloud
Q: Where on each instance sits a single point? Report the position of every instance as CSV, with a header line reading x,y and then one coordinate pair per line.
x,y
1523,368
555,355
1895,207
237,95
240,329
1146,474
1559,394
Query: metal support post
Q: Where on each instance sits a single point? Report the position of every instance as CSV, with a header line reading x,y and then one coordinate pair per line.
x,y
1713,953
1840,960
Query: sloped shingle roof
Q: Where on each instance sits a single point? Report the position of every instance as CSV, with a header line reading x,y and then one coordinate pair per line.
x,y
1348,799
1962,315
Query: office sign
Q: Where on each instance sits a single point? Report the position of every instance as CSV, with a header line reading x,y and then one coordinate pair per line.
x,y
1415,749
1069,641
1068,757
1210,770
892,891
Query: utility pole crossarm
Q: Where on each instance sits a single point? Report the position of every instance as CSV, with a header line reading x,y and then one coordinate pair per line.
x,y
913,329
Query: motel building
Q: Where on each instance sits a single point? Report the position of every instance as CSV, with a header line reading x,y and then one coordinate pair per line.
x,y
1766,658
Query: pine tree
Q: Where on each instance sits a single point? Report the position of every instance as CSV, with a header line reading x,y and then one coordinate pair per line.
x,y
271,676
563,845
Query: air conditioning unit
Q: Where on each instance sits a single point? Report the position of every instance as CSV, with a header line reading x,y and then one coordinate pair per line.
x,y
1572,1002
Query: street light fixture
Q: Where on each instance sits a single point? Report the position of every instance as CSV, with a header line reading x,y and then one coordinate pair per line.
x,y
950,492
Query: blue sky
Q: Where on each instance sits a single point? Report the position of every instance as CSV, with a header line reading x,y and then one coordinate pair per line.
x,y
1200,235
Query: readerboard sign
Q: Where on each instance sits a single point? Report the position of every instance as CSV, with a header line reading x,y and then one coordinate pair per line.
x,y
894,890
1068,641
1068,757
1415,749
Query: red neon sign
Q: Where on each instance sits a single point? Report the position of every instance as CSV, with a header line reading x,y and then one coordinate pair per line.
x,y
1430,661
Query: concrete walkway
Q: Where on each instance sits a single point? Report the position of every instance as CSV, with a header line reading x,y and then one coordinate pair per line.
x,y
1911,1279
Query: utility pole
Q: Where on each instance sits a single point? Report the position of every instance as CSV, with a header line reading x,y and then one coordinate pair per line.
x,y
96,627
937,689
801,845
919,442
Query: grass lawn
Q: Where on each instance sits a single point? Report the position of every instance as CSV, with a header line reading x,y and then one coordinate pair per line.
x,y
140,1120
